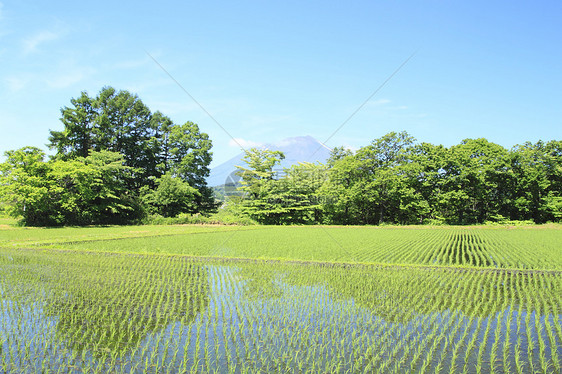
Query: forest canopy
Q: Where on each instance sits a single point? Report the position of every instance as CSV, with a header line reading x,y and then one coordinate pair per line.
x,y
400,181
115,162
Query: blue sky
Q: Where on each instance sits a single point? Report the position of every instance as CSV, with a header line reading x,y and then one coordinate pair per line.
x,y
270,70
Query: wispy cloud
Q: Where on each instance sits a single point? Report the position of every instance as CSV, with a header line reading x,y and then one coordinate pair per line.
x,y
17,83
239,142
32,43
380,102
132,64
70,77
4,29
169,108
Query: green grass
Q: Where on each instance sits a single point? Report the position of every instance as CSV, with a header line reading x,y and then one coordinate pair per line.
x,y
7,222
535,247
32,236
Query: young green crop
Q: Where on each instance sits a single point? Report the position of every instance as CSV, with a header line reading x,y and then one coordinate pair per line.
x,y
520,248
116,312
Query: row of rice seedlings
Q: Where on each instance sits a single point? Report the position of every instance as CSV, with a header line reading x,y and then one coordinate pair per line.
x,y
443,338
479,245
432,248
538,248
462,331
552,319
414,247
124,314
390,348
379,249
547,353
508,253
421,250
443,246
444,254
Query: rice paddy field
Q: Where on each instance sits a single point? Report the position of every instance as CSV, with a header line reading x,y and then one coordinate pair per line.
x,y
259,299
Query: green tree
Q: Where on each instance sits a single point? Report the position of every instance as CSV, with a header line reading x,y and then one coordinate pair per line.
x,y
294,198
537,169
477,173
428,162
171,197
257,184
384,179
25,186
81,191
151,144
113,201
116,121
79,136
187,154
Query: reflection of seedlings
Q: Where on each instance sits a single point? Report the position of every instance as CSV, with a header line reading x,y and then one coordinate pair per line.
x,y
112,310
111,313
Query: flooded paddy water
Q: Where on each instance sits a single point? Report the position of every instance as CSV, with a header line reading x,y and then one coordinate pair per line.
x,y
86,312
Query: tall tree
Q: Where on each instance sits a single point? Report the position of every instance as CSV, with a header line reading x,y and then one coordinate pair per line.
x,y
537,168
171,197
384,181
80,191
79,135
151,144
24,185
257,183
188,157
477,173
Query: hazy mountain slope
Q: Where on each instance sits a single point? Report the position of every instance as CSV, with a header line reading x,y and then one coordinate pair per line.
x,y
296,149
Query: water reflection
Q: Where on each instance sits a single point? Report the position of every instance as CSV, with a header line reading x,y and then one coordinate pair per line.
x,y
420,291
113,310
98,306
99,312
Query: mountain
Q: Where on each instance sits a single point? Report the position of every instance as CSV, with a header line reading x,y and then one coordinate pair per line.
x,y
297,149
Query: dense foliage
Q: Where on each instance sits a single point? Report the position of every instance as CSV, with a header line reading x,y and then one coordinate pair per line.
x,y
115,162
396,180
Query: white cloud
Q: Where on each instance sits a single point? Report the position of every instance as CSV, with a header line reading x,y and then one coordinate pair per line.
x,y
239,142
132,64
70,77
380,102
351,148
32,43
168,108
17,83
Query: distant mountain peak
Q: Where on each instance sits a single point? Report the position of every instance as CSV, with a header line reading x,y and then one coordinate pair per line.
x,y
300,141
296,149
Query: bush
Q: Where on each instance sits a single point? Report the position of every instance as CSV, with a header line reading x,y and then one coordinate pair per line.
x,y
220,218
503,221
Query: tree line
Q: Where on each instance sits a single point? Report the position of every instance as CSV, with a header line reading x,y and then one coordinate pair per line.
x,y
397,180
115,162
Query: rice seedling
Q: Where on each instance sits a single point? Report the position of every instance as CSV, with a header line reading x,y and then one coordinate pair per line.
x,y
472,247
113,305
